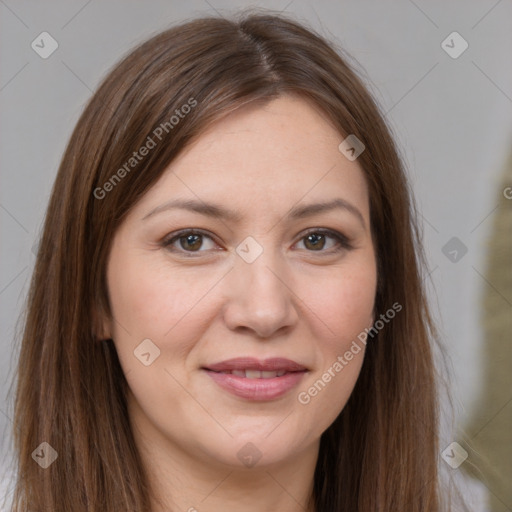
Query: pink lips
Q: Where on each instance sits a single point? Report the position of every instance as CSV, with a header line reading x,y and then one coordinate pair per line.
x,y
250,378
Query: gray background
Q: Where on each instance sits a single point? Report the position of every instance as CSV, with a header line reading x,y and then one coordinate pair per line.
x,y
452,119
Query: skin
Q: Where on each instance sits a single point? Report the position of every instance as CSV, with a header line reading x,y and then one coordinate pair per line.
x,y
297,300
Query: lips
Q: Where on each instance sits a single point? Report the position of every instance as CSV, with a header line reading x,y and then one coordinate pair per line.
x,y
255,374
252,379
252,368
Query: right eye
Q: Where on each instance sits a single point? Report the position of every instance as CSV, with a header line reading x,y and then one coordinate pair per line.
x,y
187,241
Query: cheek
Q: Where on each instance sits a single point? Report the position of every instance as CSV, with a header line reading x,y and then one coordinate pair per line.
x,y
342,302
343,307
151,299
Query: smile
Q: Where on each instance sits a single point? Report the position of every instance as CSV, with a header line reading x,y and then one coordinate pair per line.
x,y
257,380
255,374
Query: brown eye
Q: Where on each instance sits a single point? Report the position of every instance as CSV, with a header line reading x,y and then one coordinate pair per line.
x,y
315,241
188,242
325,241
191,242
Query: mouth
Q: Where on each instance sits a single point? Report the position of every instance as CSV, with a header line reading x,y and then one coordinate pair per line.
x,y
252,379
251,366
254,374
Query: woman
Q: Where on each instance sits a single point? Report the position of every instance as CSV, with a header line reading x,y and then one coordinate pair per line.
x,y
227,308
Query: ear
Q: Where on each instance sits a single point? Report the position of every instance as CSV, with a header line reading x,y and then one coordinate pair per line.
x,y
101,325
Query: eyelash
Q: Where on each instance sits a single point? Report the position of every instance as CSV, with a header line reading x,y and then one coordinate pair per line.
x,y
342,240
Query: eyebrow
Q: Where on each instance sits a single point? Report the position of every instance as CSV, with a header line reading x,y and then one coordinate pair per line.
x,y
219,212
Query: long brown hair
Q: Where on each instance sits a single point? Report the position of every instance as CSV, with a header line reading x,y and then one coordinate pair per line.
x,y
381,452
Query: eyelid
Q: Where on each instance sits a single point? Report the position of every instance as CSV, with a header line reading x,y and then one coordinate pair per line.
x,y
175,235
342,239
344,243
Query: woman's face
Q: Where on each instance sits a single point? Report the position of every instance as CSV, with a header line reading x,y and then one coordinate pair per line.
x,y
239,341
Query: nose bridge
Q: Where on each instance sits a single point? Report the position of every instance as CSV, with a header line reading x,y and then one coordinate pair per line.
x,y
259,299
263,276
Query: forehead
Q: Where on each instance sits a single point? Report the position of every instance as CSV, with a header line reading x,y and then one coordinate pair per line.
x,y
265,158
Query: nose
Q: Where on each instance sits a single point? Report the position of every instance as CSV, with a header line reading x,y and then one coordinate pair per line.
x,y
260,298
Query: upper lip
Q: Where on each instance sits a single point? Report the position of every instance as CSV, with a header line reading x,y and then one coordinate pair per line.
x,y
251,363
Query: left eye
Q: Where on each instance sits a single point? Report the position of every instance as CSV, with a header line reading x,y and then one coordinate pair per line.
x,y
192,241
317,240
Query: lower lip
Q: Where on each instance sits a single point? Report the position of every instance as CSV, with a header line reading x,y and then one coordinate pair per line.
x,y
257,389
